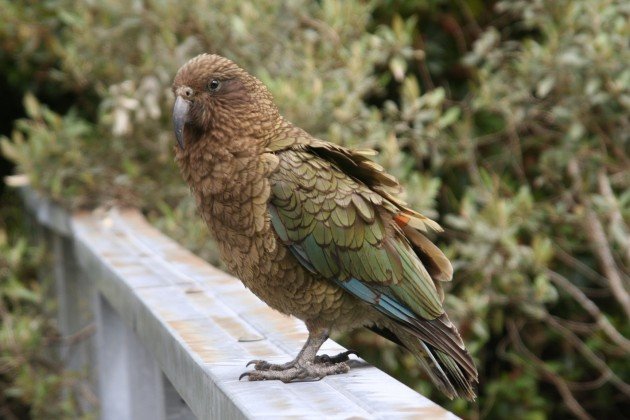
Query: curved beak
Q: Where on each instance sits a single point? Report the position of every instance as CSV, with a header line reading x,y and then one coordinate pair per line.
x,y
180,117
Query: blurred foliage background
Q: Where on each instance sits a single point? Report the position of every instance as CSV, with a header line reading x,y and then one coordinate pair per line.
x,y
507,121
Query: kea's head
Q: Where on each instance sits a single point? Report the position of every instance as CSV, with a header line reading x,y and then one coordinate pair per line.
x,y
215,98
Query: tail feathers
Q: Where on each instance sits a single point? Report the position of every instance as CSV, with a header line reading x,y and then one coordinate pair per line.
x,y
463,384
446,373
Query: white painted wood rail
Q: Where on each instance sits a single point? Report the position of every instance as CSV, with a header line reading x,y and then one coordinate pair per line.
x,y
172,334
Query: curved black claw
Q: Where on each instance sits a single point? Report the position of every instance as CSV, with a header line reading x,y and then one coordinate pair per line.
x,y
254,362
341,357
244,374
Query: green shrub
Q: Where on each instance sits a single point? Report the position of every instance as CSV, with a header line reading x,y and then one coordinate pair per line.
x,y
32,384
545,253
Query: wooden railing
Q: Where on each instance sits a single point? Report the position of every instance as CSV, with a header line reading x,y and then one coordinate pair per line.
x,y
157,333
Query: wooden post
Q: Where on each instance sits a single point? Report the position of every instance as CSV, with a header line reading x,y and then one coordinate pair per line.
x,y
130,381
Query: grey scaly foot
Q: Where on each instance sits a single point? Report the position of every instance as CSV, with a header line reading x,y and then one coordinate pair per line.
x,y
298,372
324,358
264,365
341,357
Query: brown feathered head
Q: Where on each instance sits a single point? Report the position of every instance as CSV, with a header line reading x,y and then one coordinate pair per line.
x,y
216,99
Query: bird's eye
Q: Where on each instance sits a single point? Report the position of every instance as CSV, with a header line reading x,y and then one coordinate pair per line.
x,y
214,85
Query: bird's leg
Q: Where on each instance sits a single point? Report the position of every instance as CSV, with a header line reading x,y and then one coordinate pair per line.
x,y
307,365
307,353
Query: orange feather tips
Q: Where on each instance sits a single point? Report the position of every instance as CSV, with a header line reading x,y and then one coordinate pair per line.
x,y
417,221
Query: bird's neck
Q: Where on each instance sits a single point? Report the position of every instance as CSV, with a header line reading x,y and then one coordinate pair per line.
x,y
215,167
229,178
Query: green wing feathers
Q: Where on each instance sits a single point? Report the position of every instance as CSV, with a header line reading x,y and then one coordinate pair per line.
x,y
344,231
337,212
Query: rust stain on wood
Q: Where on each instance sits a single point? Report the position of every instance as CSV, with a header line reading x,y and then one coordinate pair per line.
x,y
196,337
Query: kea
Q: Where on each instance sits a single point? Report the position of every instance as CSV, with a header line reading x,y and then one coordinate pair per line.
x,y
314,229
